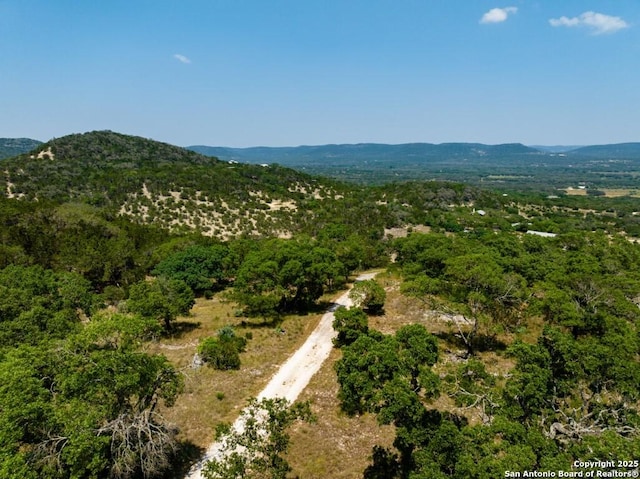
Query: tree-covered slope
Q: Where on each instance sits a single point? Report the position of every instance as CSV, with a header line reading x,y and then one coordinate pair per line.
x,y
158,183
613,151
14,146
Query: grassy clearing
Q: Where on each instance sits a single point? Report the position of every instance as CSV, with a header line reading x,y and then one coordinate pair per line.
x,y
618,192
212,396
336,446
608,192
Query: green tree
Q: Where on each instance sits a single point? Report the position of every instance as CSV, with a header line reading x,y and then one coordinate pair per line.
x,y
286,275
200,267
375,368
38,304
368,295
349,324
100,372
223,351
161,299
258,450
471,386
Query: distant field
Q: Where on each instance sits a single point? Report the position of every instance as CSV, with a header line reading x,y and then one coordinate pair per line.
x,y
608,192
617,192
212,396
576,191
508,177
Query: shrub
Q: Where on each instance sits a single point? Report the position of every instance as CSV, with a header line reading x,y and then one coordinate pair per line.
x,y
369,296
223,352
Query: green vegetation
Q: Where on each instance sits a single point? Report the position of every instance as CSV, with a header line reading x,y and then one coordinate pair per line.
x,y
259,449
161,299
369,296
38,304
223,351
198,266
573,391
524,354
282,276
349,324
100,372
14,146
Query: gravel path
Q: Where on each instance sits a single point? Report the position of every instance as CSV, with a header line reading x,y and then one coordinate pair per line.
x,y
294,375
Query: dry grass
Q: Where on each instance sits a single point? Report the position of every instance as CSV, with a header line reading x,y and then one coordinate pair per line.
x,y
608,192
336,446
617,192
576,191
212,396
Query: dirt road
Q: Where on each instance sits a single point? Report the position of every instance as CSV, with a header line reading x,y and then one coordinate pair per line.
x,y
294,375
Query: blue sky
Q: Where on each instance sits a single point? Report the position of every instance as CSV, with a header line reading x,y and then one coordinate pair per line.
x,y
275,72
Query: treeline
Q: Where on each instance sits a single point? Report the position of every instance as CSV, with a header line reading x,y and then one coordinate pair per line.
x,y
563,311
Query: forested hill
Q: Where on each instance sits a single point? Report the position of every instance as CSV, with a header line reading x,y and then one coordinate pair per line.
x,y
14,146
107,167
158,183
345,155
614,151
182,191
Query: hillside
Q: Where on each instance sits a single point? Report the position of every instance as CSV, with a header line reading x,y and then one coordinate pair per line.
x,y
612,151
168,186
154,182
14,146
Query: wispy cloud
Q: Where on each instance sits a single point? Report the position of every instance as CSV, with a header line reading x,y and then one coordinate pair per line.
x,y
599,23
498,15
181,58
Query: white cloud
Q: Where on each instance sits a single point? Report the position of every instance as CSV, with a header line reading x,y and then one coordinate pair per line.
x,y
497,15
181,58
599,23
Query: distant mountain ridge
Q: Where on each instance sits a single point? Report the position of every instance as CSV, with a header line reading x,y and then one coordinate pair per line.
x,y
109,167
15,146
345,154
613,151
503,165
556,148
446,153
337,154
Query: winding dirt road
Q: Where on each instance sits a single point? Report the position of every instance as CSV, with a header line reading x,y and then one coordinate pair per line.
x,y
294,375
